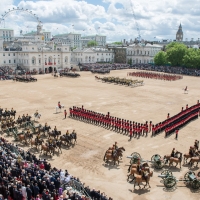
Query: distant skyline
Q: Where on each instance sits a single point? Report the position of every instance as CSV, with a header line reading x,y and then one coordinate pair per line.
x,y
114,18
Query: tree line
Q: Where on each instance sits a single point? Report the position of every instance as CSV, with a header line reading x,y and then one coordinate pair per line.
x,y
178,54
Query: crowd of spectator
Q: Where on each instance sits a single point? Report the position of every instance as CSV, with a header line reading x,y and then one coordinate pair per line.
x,y
105,66
5,71
25,177
168,69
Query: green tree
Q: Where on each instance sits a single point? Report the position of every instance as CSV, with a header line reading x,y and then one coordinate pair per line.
x,y
160,58
117,43
192,59
92,43
175,53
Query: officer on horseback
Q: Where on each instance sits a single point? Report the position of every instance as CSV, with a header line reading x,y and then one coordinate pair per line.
x,y
67,134
173,152
196,144
50,142
139,166
55,130
144,174
59,105
191,152
115,146
37,139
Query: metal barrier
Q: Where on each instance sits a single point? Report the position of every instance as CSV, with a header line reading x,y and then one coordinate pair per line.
x,y
76,186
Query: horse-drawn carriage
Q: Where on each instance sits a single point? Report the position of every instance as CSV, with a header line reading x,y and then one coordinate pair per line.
x,y
170,181
69,74
122,81
25,79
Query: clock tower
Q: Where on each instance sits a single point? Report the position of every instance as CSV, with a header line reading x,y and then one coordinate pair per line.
x,y
179,34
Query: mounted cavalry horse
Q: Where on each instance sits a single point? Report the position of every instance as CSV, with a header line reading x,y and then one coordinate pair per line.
x,y
177,159
68,139
195,159
62,106
26,137
36,142
121,149
54,134
193,153
36,115
143,178
56,144
114,156
48,149
45,129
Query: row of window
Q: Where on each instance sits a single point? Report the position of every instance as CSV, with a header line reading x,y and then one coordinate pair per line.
x,y
140,61
9,61
92,59
8,54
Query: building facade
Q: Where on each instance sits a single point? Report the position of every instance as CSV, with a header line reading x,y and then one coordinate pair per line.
x,y
92,55
119,53
141,53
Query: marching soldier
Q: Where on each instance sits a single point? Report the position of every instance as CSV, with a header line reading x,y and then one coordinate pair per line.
x,y
6,110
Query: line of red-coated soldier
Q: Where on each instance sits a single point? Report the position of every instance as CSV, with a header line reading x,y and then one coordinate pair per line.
x,y
172,124
152,75
124,126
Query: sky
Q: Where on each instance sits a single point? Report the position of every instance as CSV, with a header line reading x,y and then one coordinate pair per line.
x,y
155,20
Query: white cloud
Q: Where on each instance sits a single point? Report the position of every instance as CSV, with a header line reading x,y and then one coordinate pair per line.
x,y
154,18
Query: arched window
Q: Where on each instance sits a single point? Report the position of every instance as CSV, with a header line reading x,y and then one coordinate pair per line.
x,y
33,60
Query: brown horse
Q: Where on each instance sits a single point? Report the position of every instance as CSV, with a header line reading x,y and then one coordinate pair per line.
x,y
121,149
139,179
112,156
47,149
195,159
144,165
25,137
134,170
176,160
38,143
187,155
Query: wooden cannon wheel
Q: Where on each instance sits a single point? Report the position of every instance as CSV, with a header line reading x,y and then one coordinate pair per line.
x,y
135,157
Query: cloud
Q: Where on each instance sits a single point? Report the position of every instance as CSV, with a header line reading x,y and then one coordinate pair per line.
x,y
116,20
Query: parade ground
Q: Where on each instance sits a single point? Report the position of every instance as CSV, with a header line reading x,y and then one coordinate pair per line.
x,y
150,102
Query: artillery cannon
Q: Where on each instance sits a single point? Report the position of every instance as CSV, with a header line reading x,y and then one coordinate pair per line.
x,y
157,161
134,158
189,178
